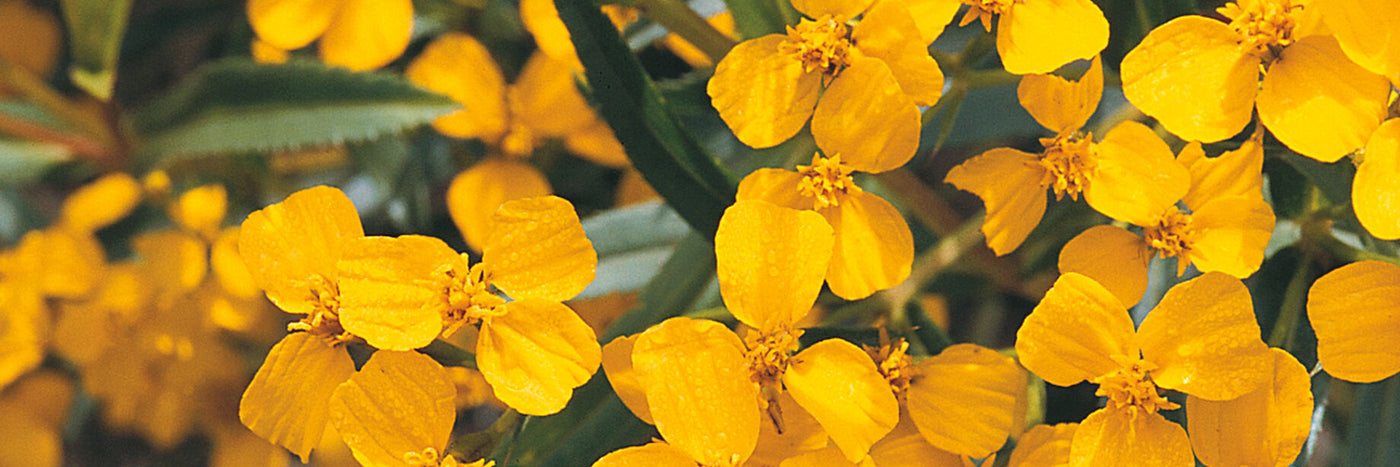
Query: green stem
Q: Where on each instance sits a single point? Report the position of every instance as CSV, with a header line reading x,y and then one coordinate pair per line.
x,y
1294,298
678,18
450,355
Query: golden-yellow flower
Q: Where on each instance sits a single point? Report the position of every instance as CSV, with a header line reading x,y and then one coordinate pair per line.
x,y
1033,36
1375,192
1354,311
356,34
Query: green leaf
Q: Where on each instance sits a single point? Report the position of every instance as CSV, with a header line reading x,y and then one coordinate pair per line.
x,y
95,29
1373,437
633,242
22,162
666,155
756,18
239,106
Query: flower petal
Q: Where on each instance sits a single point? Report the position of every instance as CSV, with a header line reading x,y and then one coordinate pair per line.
x,y
1353,310
840,386
24,328
368,34
647,455
617,364
963,400
1137,177
288,401
541,18
291,24
1375,192
1204,340
1369,32
538,250
801,433
845,9
1061,105
1038,37
888,32
1117,259
1008,181
291,242
1123,437
597,142
1193,77
698,387
771,262
399,403
536,354
1320,104
1231,234
1074,331
1231,174
776,186
931,16
389,291
546,98
873,250
866,118
764,97
101,203
1265,427
457,65
1044,446
474,195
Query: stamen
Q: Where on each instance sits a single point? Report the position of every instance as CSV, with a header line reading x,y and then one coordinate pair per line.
x,y
1172,236
1265,26
1069,162
467,296
1130,387
826,180
985,10
324,319
896,366
822,45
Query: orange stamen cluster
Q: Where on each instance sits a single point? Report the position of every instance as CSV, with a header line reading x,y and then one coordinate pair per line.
x,y
896,366
1069,163
1130,387
985,10
822,45
826,180
1264,26
1172,236
324,320
469,296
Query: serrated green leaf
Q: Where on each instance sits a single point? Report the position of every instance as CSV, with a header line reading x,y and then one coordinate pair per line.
x,y
95,29
22,162
666,155
239,106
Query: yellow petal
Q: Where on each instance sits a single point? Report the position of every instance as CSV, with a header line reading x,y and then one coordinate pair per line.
x,y
1122,437
100,203
399,403
764,97
24,327
288,401
1059,104
1073,332
801,433
1231,234
771,262
70,264
840,386
776,186
905,447
830,456
1192,76
596,142
1367,31
264,52
546,99
368,34
1377,184
1231,174
228,266
1038,37
698,387
291,24
537,249
931,16
617,364
1117,259
647,455
873,249
389,289
541,18
1137,176
1044,446
27,442
866,118
1353,310
842,8
1265,427
963,400
888,32
29,37
1320,104
1204,340
289,243
174,260
1008,181
201,210
536,354
457,65
85,330
474,195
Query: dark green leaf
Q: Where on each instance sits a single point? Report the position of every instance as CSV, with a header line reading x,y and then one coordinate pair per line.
x,y
22,162
1333,179
1288,189
95,29
756,18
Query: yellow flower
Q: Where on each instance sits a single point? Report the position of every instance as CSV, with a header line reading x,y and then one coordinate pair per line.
x,y
1224,228
966,400
1373,191
869,78
291,249
1044,446
1200,78
543,103
541,18
356,34
1128,176
1037,36
401,293
1201,339
1365,30
397,411
32,415
1353,309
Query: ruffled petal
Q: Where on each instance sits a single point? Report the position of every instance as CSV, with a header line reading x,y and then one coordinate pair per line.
x,y
1117,259
1375,192
1231,234
399,403
1193,77
291,24
457,65
1353,310
1204,340
1061,105
1123,437
771,262
536,354
474,195
288,402
1234,173
1038,37
1319,103
964,399
1008,181
840,386
291,242
764,97
888,33
617,364
389,292
538,250
866,118
1265,427
1137,177
1074,332
873,250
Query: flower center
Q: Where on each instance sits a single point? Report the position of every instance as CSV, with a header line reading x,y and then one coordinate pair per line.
x,y
468,296
1069,163
1131,387
324,320
826,180
1264,26
985,10
519,140
1172,236
895,365
822,45
768,354
431,458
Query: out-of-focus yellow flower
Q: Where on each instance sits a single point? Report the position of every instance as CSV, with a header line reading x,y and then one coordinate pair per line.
x,y
1033,36
291,249
541,18
32,414
1201,339
1375,192
397,411
1224,227
1353,309
1200,78
356,34
859,85
401,293
1128,176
